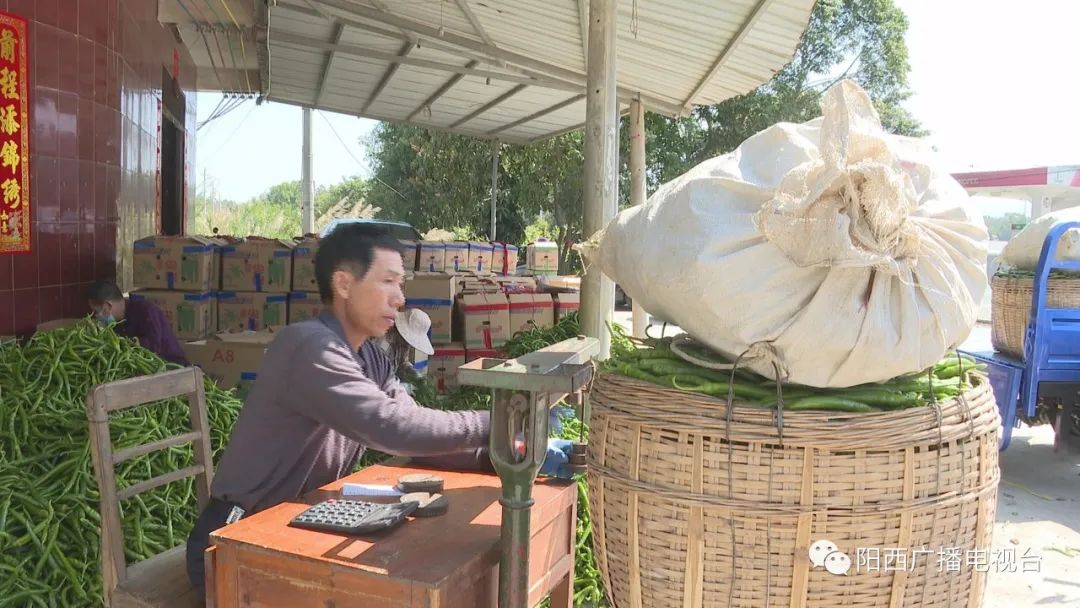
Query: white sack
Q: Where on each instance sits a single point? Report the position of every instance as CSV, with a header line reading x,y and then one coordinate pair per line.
x,y
832,240
1024,249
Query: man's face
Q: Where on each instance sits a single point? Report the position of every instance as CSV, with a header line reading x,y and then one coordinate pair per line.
x,y
108,311
371,303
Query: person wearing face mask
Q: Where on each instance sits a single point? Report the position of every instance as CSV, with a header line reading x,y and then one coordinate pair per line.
x,y
139,319
326,391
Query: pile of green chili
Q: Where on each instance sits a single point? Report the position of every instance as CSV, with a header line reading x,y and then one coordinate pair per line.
x,y
49,513
658,364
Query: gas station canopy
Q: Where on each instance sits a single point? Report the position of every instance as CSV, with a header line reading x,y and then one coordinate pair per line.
x,y
512,70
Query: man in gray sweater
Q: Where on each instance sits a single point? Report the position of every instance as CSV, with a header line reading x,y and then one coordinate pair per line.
x,y
325,392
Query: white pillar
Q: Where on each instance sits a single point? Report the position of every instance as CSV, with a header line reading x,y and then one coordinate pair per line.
x,y
601,164
494,183
637,189
1041,205
307,183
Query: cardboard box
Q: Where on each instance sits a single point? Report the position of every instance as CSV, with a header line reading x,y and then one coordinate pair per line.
x,y
431,256
444,363
566,303
303,306
434,294
528,309
231,360
504,259
189,263
472,354
409,254
420,362
512,284
256,264
456,258
542,257
485,320
480,257
478,284
191,314
250,311
303,265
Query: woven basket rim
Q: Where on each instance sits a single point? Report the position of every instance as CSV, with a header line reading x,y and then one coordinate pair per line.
x,y
683,411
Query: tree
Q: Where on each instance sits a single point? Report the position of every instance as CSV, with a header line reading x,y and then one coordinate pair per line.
x,y
434,179
285,194
348,193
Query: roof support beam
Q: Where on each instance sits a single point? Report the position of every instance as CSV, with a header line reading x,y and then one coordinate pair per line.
x,y
359,51
464,6
487,106
496,54
385,80
535,115
339,28
449,84
744,29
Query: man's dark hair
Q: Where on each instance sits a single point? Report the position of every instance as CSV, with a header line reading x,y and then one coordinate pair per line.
x,y
349,247
104,290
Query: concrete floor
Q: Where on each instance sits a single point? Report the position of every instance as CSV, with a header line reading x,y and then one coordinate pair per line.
x,y
1038,512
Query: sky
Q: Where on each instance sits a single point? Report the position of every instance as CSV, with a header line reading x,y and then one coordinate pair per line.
x,y
992,85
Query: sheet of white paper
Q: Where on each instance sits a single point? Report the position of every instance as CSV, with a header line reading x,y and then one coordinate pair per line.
x,y
367,489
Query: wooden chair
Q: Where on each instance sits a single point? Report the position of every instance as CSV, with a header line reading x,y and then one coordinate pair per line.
x,y
162,579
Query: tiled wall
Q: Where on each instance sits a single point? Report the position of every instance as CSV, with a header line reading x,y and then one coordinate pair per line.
x,y
96,70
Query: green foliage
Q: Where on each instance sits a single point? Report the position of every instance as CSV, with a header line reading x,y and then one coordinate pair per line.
x,y
276,212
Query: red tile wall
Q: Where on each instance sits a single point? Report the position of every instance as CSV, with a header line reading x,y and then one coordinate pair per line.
x,y
95,86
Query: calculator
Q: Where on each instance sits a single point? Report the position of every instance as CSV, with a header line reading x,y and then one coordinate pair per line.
x,y
353,516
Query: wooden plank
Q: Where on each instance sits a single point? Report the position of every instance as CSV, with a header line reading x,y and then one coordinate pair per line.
x,y
202,452
160,480
153,446
123,394
113,563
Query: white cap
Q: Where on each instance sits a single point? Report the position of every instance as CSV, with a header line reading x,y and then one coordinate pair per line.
x,y
413,325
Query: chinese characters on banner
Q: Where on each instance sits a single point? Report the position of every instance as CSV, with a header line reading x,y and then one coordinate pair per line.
x,y
15,211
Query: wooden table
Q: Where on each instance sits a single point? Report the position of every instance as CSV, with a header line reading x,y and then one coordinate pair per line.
x,y
447,561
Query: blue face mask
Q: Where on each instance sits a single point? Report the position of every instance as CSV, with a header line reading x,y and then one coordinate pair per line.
x,y
106,320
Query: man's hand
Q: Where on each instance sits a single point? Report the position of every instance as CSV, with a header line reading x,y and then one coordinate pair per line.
x,y
557,459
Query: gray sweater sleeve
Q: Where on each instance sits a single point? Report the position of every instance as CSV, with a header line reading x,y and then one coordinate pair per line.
x,y
330,387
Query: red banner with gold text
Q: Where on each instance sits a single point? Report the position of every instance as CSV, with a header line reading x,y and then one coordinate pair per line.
x,y
15,213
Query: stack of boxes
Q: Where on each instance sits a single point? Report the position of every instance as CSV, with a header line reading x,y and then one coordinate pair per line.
x,y
256,277
213,289
180,275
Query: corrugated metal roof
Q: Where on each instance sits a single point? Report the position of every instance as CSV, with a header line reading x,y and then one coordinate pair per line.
x,y
511,69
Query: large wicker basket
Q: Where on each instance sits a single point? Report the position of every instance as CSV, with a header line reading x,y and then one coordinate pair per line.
x,y
693,508
1010,307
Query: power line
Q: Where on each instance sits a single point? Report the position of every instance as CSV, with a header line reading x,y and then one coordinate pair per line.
x,y
373,176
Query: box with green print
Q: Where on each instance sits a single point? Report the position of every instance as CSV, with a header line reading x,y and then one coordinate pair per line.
x,y
191,314
251,311
257,264
188,263
304,305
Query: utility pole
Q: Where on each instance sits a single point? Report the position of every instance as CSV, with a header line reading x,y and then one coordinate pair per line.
x,y
307,183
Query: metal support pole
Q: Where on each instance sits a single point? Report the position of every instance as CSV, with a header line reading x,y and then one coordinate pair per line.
x,y
637,189
601,165
307,183
494,183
